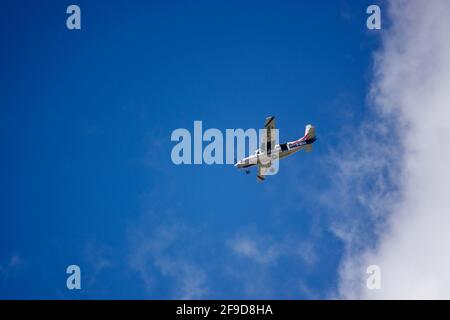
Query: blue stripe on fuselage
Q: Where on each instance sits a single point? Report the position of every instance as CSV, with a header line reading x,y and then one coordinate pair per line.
x,y
302,143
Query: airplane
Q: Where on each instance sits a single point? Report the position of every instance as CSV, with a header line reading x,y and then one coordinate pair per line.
x,y
264,157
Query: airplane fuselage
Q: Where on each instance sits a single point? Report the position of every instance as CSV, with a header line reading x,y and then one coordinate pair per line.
x,y
283,150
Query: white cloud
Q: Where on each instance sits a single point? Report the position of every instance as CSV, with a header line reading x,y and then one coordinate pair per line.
x,y
15,261
307,253
190,279
411,91
164,251
14,264
266,251
255,248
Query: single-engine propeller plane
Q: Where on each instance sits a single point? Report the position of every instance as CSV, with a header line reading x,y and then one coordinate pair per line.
x,y
267,154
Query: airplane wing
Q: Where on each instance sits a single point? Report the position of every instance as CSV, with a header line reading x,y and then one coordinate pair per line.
x,y
261,173
267,141
267,144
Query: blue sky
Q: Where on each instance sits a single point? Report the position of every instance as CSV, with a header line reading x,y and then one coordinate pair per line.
x,y
85,123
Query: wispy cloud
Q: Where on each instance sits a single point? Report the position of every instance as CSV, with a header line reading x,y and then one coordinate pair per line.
x,y
255,248
263,255
265,250
190,279
12,265
163,252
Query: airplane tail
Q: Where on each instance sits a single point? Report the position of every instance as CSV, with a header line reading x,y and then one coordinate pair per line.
x,y
308,138
310,132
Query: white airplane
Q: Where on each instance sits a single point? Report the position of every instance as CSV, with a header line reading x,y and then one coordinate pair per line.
x,y
264,157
